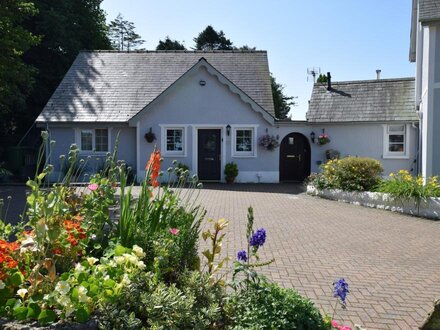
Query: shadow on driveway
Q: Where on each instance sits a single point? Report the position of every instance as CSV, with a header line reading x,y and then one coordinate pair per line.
x,y
276,188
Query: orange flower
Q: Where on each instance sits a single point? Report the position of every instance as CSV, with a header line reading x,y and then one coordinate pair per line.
x,y
57,250
153,167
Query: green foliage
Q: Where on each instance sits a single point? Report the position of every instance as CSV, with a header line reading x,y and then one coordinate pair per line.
x,y
193,302
404,186
349,174
322,78
281,102
210,39
16,77
231,170
268,306
64,28
122,35
169,44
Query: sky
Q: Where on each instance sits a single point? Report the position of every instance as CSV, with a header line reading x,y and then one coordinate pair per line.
x,y
349,38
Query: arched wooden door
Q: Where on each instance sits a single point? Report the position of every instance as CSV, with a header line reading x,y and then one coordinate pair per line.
x,y
294,158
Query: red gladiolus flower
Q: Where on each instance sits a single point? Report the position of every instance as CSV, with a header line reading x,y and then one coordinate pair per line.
x,y
57,251
153,167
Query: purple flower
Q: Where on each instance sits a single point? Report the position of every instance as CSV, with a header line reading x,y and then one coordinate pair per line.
x,y
258,238
341,290
242,256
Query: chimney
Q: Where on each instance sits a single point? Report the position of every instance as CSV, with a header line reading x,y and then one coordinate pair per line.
x,y
378,73
329,81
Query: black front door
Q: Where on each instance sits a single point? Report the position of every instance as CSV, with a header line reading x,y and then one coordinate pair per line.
x,y
294,158
209,149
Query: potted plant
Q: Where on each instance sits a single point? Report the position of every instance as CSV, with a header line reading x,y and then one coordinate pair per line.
x,y
323,139
231,172
150,136
269,142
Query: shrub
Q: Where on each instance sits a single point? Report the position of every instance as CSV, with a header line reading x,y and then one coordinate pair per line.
x,y
268,306
404,185
350,174
231,170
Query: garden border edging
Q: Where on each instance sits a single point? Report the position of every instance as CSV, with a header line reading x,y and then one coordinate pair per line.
x,y
429,208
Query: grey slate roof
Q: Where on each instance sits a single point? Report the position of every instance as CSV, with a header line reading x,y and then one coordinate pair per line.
x,y
110,86
429,10
363,100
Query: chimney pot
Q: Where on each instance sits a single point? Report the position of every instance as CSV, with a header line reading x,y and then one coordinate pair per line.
x,y
378,74
329,81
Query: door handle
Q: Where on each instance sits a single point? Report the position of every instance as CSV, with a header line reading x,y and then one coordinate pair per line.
x,y
209,158
291,156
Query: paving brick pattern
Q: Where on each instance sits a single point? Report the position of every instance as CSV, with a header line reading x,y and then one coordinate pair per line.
x,y
391,261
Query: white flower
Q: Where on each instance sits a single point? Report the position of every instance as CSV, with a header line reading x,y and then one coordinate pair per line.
x,y
82,294
79,267
64,300
131,258
120,260
62,287
28,244
22,293
92,261
141,265
70,308
2,285
125,280
138,251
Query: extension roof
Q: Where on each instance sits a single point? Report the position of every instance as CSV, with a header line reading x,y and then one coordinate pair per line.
x,y
363,101
112,86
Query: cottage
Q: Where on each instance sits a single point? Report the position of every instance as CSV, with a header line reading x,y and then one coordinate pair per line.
x,y
425,51
207,108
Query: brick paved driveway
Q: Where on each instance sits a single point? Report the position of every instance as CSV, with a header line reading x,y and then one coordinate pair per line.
x,y
391,261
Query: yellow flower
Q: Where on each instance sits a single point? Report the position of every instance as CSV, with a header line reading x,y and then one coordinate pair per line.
x,y
391,174
419,180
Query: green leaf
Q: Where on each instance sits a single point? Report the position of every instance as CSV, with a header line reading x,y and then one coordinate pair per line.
x,y
93,290
19,313
33,311
120,250
109,284
16,279
46,316
41,176
75,293
82,315
32,184
64,276
11,302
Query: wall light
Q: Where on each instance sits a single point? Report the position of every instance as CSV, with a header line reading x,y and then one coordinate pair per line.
x,y
202,83
312,137
228,129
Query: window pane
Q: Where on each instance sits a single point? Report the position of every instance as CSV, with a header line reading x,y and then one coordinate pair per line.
x,y
101,140
86,140
397,147
243,141
174,140
396,138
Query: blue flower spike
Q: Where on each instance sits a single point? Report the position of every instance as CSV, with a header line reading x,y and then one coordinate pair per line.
x,y
242,256
258,238
341,290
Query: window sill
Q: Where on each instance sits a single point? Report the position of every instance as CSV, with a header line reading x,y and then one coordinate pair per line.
x,y
243,156
395,157
170,154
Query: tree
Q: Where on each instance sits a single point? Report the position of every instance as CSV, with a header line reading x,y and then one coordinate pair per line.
x,y
169,44
122,34
322,78
16,77
210,39
65,27
281,102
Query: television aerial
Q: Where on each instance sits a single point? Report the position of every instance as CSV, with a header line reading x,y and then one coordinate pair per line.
x,y
313,73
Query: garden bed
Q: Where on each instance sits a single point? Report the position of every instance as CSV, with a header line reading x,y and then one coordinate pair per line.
x,y
429,208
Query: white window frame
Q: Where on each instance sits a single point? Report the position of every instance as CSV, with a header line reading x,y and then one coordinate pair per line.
x,y
244,154
387,154
92,130
170,153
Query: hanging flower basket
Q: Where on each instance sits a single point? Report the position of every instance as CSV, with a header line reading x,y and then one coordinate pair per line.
x,y
323,139
268,142
150,136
